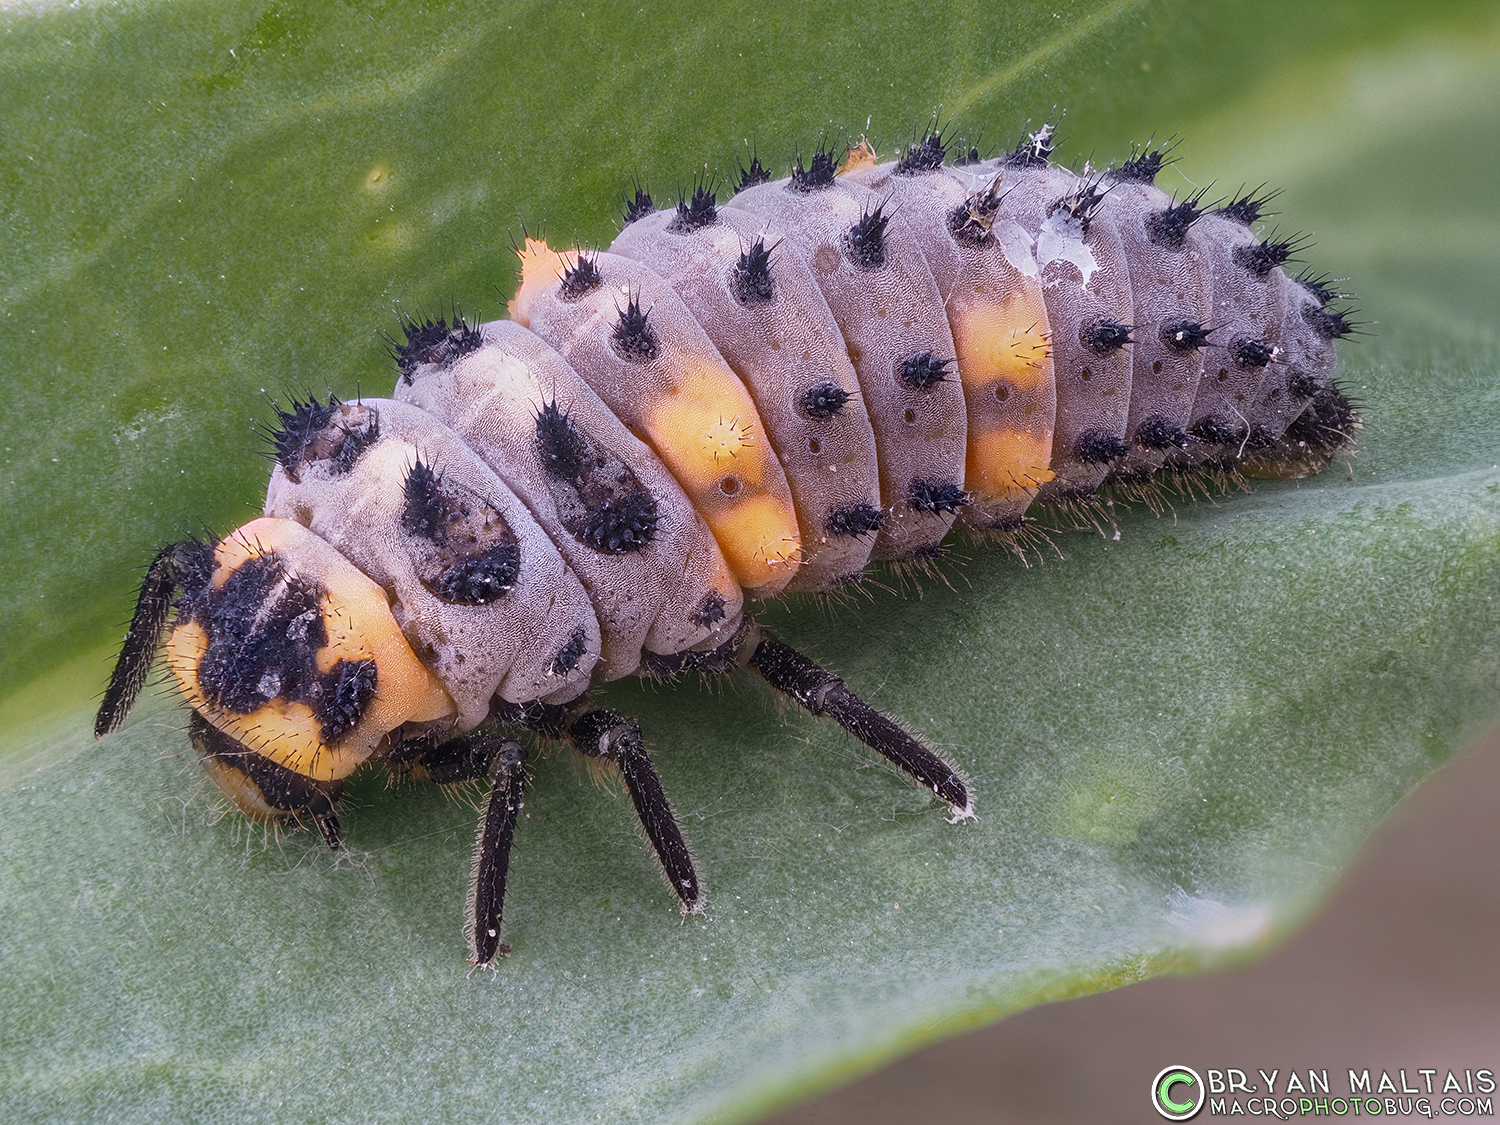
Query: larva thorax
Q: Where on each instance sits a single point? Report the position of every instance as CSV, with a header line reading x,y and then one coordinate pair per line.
x,y
735,400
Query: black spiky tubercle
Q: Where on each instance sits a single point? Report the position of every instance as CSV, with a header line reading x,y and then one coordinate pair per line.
x,y
818,174
581,277
1169,226
755,174
1249,207
923,371
865,241
924,155
824,400
1034,150
435,340
694,212
332,433
753,284
632,335
1260,258
1144,164
1104,336
638,206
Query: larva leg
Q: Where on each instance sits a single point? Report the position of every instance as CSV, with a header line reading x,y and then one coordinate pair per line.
x,y
823,693
470,757
604,734
497,829
143,639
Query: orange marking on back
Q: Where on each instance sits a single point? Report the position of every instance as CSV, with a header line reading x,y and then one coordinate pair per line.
x,y
1006,464
541,266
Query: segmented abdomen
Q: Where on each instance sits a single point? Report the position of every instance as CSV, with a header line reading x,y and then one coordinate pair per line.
x,y
762,396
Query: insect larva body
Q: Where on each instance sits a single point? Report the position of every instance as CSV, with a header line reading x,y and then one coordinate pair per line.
x,y
732,402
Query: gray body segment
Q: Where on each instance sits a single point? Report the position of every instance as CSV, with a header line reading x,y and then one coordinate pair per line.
x,y
508,647
786,346
1171,285
672,594
889,313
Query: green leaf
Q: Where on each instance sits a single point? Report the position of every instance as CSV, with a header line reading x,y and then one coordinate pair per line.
x,y
1177,737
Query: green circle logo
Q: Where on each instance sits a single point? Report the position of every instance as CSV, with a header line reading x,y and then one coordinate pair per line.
x,y
1177,1093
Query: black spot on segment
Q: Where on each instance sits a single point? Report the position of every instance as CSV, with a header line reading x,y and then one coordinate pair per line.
x,y
639,206
710,610
923,371
1158,433
1261,258
265,629
570,654
817,175
633,337
334,434
1184,335
1331,325
1327,425
865,242
695,212
925,155
854,519
463,551
432,340
1098,447
755,174
1249,207
1253,353
1169,226
936,496
1213,430
753,284
600,501
582,276
824,400
1299,384
1104,336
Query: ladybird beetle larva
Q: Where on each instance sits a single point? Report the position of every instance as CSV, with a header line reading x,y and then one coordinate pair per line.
x,y
734,401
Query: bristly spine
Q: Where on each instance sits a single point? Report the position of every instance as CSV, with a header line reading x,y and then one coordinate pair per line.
x,y
854,520
818,174
1253,353
924,155
753,284
639,206
923,371
632,335
1185,335
1034,150
1084,200
866,239
1169,226
432,340
972,220
824,400
1262,257
317,431
755,174
1097,447
1104,336
1144,163
580,277
1249,207
936,496
696,211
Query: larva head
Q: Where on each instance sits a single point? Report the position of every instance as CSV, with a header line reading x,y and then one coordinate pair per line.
x,y
282,646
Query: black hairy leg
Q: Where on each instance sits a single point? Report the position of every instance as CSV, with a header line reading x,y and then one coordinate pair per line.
x,y
823,693
604,734
497,830
172,565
